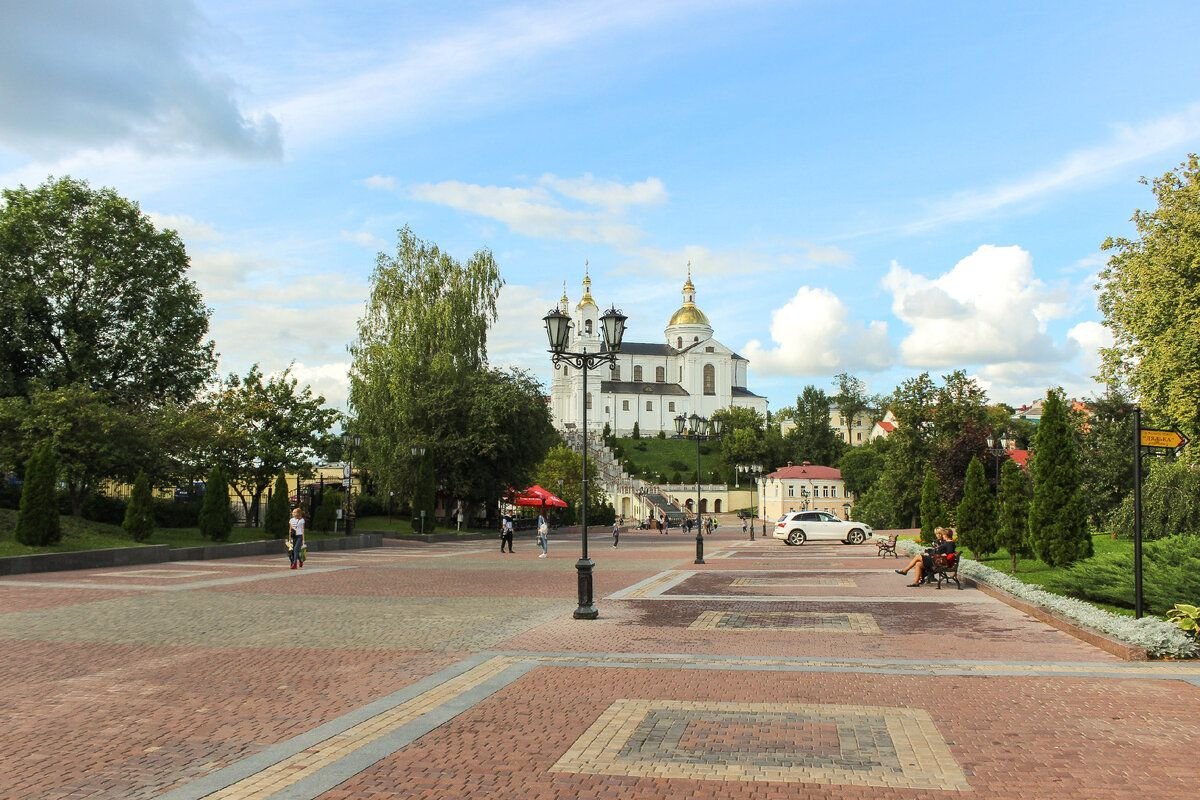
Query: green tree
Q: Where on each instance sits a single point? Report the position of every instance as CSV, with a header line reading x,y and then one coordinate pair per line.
x,y
814,439
1106,455
862,466
960,431
421,340
852,402
933,513
275,520
561,472
1013,531
216,518
911,447
1149,293
1170,502
976,516
325,517
267,425
37,518
139,514
1057,514
94,294
637,431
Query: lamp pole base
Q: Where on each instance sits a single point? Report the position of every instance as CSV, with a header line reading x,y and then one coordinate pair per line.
x,y
699,547
587,608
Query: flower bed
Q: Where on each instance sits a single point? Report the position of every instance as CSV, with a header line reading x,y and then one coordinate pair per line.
x,y
1159,639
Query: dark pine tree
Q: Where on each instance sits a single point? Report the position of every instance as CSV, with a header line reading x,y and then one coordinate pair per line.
x,y
976,517
275,520
216,518
1013,533
37,519
933,513
139,514
1058,514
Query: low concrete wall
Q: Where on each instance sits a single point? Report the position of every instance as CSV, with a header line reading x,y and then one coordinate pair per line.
x,y
85,559
160,553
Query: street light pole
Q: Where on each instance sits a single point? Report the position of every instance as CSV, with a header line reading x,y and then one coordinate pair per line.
x,y
351,442
997,452
419,453
558,330
699,427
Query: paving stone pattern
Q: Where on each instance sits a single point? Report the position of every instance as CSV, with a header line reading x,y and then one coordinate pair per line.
x,y
452,671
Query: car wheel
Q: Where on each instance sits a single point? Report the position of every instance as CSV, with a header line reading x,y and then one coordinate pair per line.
x,y
796,537
857,536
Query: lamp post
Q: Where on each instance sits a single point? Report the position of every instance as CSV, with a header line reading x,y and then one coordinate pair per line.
x,y
753,471
804,496
558,331
845,511
350,442
419,453
995,448
699,427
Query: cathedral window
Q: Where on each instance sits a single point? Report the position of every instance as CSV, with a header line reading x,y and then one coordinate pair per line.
x,y
587,327
681,374
695,338
649,405
588,401
710,349
660,374
710,379
679,343
671,407
637,374
624,405
616,372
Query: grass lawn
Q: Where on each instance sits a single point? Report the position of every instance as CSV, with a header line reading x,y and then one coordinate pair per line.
x,y
384,524
82,534
652,457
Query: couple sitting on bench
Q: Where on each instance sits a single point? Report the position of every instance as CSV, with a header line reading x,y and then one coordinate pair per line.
x,y
923,563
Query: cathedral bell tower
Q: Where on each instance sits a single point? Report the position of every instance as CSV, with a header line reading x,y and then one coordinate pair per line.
x,y
688,324
586,333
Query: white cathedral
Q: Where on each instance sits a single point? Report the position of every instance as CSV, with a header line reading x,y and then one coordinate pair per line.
x,y
652,382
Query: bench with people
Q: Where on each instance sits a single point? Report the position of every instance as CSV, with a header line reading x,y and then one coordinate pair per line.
x,y
938,564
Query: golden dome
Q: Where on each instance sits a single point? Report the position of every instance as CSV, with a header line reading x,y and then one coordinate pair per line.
x,y
586,300
688,314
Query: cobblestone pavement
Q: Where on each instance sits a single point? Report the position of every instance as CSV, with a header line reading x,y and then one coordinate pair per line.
x,y
452,671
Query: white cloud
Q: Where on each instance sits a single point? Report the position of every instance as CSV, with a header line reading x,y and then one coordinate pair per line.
x,y
190,230
608,194
97,75
813,333
518,337
988,308
364,239
331,380
380,182
1089,166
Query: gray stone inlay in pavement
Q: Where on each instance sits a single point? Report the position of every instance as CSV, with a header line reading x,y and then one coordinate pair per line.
x,y
268,574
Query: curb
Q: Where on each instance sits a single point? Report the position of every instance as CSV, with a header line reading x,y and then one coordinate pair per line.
x,y
161,553
1117,648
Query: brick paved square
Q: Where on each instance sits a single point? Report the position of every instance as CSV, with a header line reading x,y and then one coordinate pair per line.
x,y
847,622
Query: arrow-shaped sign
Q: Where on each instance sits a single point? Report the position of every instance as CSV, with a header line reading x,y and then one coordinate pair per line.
x,y
1170,440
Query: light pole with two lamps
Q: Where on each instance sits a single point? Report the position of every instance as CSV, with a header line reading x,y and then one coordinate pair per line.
x,y
698,426
558,331
419,454
996,449
351,443
754,472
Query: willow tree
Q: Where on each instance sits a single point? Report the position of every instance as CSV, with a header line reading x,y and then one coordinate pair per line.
x,y
1149,293
422,341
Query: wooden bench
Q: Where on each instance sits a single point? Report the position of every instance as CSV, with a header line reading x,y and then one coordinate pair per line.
x,y
886,546
945,569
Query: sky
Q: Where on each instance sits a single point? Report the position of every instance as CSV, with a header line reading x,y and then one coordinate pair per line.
x,y
877,188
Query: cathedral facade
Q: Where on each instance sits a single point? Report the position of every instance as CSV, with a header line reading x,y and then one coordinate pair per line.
x,y
652,382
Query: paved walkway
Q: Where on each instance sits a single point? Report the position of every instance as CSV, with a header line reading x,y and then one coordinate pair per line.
x,y
452,671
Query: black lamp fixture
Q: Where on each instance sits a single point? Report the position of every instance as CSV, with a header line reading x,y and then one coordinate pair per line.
x,y
558,333
419,453
351,443
699,427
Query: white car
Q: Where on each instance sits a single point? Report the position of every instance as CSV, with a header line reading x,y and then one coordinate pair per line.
x,y
798,527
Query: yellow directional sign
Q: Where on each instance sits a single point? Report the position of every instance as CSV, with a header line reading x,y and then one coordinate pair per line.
x,y
1167,439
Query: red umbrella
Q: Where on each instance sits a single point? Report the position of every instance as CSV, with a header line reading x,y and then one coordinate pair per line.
x,y
537,496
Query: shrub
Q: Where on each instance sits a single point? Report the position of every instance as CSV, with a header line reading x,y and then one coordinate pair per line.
x,y
370,505
1186,617
1170,502
102,508
676,478
1168,567
176,513
37,520
678,466
216,518
637,431
325,515
275,519
139,514
662,434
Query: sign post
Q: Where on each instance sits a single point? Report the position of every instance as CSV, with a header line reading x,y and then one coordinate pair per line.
x,y
1161,440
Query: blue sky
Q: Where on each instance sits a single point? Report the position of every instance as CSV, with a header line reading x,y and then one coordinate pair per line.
x,y
877,188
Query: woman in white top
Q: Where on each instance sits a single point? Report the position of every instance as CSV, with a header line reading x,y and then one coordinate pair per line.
x,y
296,523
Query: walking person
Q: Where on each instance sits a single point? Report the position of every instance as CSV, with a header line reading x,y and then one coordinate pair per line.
x,y
296,551
744,526
506,532
543,531
616,534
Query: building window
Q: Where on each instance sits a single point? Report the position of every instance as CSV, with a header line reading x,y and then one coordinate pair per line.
x,y
681,374
710,349
710,379
587,326
833,491
660,374
791,490
624,405
679,343
671,407
637,374
824,491
649,405
616,372
860,436
588,401
566,370
695,339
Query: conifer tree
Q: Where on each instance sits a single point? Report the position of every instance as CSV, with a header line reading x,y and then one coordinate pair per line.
x,y
325,516
37,519
1013,533
637,431
216,519
275,520
933,513
139,514
976,515
1057,514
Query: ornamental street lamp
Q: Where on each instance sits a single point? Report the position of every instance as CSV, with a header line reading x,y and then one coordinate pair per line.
x,y
995,448
804,496
350,443
754,472
558,331
419,453
699,427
